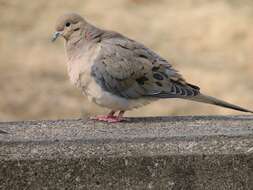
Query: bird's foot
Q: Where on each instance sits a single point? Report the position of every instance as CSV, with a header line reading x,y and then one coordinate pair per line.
x,y
108,118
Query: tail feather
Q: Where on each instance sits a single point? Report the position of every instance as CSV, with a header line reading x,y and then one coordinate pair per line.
x,y
211,100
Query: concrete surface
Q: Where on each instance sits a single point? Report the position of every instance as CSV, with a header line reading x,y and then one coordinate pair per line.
x,y
174,153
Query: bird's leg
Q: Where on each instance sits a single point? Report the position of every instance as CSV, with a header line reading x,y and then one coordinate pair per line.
x,y
110,118
111,114
118,118
115,119
107,118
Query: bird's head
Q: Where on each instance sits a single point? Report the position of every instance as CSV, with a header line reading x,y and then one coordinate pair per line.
x,y
69,26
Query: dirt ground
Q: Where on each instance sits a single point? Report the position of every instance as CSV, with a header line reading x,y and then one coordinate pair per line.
x,y
209,41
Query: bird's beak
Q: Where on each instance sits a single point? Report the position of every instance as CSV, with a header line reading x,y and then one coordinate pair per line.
x,y
56,35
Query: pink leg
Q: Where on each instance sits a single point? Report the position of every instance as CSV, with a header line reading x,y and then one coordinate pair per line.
x,y
116,119
110,118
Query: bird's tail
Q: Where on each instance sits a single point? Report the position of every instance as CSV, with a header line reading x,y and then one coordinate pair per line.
x,y
211,100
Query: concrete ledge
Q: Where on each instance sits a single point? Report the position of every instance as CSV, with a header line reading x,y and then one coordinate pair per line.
x,y
199,152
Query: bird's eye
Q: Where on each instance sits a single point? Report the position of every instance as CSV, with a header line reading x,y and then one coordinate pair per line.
x,y
67,24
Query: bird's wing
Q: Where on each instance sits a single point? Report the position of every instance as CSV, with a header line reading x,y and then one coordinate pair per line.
x,y
128,69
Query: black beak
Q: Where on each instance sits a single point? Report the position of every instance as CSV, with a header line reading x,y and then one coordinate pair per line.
x,y
56,35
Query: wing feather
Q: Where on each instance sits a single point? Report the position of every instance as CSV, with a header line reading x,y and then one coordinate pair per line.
x,y
128,69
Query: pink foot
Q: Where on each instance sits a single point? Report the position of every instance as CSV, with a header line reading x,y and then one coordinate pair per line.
x,y
109,119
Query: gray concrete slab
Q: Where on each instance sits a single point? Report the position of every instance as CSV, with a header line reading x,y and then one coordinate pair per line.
x,y
184,152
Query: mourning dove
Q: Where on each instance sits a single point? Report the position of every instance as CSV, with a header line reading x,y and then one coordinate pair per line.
x,y
119,73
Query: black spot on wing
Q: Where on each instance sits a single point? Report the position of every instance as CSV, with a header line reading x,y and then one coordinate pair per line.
x,y
143,56
165,75
158,76
159,84
141,80
156,68
124,47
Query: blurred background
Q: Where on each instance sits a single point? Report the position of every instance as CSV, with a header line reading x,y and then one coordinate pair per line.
x,y
209,41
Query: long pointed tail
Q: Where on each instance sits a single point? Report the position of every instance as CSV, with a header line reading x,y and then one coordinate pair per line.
x,y
211,100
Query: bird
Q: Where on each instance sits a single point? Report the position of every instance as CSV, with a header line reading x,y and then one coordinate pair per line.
x,y
120,73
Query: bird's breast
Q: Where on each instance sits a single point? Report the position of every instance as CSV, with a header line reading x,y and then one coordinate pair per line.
x,y
79,66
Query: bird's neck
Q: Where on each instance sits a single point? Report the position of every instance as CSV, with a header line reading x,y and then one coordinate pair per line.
x,y
83,41
93,34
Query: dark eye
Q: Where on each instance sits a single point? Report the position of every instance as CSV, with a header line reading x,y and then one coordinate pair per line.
x,y
67,24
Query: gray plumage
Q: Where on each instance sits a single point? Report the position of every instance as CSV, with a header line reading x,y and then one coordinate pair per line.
x,y
130,70
120,73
